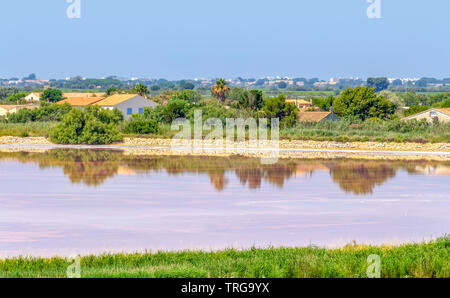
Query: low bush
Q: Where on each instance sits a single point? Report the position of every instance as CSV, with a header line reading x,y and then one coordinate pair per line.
x,y
414,110
47,112
17,98
94,126
445,104
212,109
167,112
408,126
138,124
370,130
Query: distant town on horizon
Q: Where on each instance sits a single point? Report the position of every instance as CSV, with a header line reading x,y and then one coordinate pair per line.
x,y
279,82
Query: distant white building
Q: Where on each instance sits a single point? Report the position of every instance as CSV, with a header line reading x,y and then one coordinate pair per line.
x,y
33,97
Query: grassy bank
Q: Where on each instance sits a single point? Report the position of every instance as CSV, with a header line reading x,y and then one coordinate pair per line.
x,y
339,131
382,131
34,129
342,131
425,260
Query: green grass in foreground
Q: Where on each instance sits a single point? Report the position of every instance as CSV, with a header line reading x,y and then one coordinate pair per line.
x,y
427,260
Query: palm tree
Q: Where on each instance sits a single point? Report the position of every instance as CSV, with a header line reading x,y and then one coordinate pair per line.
x,y
141,89
220,90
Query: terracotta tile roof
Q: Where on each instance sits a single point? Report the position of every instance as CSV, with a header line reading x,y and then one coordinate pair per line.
x,y
12,107
444,110
81,101
115,99
7,107
312,116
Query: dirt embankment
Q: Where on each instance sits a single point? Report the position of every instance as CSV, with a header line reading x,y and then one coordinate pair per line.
x,y
322,145
288,149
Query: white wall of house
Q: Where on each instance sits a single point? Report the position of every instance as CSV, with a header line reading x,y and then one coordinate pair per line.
x,y
430,115
33,97
4,112
133,106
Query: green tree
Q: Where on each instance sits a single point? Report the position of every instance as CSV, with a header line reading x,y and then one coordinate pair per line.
x,y
52,95
397,83
8,91
45,113
379,84
191,96
188,86
220,90
168,112
446,104
18,98
236,93
414,110
251,100
413,99
282,85
393,97
363,102
30,77
141,89
92,126
175,109
324,104
212,109
277,107
111,91
437,99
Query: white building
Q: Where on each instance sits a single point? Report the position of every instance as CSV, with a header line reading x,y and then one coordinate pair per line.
x,y
33,97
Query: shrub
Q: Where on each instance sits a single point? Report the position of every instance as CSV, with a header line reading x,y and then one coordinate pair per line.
x,y
175,108
93,126
166,113
138,124
252,99
8,91
47,112
446,104
164,96
324,104
414,110
277,107
17,98
156,114
236,93
191,96
211,109
408,126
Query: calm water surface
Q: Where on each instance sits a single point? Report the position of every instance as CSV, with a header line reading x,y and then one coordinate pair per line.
x,y
67,202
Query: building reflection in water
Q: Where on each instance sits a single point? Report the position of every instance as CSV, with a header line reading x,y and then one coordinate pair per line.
x,y
94,167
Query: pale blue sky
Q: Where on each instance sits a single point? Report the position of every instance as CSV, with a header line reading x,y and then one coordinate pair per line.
x,y
178,39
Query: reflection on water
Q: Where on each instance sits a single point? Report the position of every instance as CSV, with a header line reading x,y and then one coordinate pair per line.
x,y
69,202
94,167
361,178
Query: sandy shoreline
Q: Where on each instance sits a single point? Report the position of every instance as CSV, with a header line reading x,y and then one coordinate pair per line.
x,y
287,149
